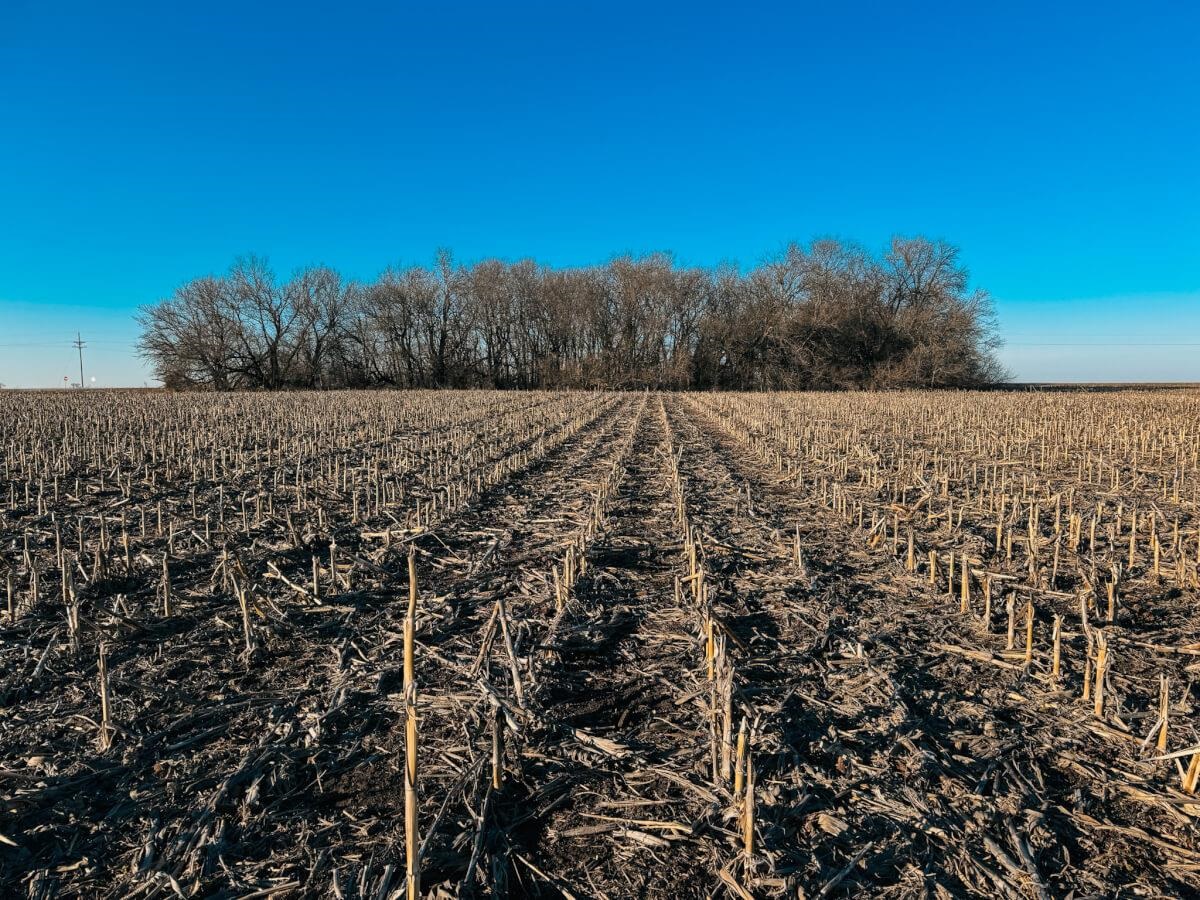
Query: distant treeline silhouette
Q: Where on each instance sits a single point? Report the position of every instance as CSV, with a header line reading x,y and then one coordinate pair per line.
x,y
824,316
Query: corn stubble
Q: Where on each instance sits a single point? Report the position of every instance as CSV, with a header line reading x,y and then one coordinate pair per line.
x,y
667,645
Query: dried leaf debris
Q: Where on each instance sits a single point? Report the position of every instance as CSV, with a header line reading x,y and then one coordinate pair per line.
x,y
599,645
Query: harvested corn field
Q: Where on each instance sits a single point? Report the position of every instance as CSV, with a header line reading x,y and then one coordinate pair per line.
x,y
377,645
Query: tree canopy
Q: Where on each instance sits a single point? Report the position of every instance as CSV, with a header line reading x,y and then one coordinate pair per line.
x,y
828,315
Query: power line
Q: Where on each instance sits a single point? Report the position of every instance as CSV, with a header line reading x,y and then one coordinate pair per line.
x,y
80,344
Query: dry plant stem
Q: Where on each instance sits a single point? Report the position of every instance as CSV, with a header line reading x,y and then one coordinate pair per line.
x,y
411,859
1086,689
166,587
518,690
105,715
1029,632
1191,778
497,750
965,583
710,653
1101,672
1011,606
727,726
244,605
739,771
748,813
1164,710
1056,657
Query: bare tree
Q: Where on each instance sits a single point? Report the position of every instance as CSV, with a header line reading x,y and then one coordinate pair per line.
x,y
826,315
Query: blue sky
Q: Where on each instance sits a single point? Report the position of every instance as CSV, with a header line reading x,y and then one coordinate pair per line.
x,y
142,144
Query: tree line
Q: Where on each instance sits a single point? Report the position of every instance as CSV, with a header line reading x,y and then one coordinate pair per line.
x,y
826,315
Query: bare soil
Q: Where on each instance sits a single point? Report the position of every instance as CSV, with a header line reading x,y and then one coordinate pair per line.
x,y
898,746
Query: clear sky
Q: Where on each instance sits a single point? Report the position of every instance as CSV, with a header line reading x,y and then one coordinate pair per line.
x,y
1058,144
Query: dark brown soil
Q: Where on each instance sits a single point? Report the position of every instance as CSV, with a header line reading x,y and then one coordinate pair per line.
x,y
898,748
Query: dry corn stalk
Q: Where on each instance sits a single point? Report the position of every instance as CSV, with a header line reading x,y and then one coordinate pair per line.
x,y
727,724
497,749
710,653
1164,707
965,604
748,814
1191,778
739,770
1029,632
71,601
244,605
1056,657
1087,667
411,859
105,713
1101,667
166,586
1011,606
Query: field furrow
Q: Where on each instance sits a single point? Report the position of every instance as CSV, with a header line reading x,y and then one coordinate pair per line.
x,y
940,761
660,645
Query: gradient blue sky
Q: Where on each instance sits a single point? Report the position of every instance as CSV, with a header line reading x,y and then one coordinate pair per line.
x,y
1058,145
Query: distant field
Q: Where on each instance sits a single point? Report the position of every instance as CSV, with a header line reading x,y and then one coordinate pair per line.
x,y
663,645
1103,386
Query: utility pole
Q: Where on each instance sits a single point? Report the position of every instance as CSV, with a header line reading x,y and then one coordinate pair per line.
x,y
79,344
